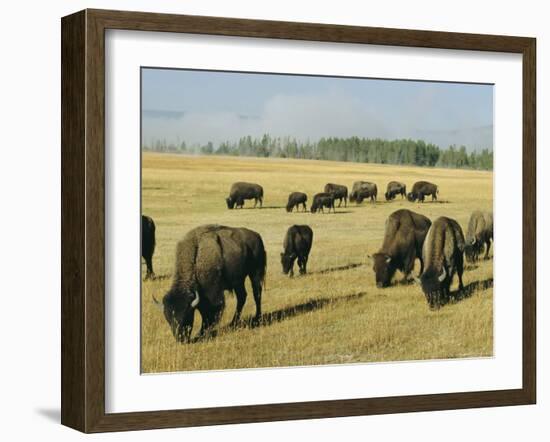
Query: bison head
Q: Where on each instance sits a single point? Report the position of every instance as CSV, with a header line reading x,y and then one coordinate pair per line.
x,y
435,287
383,269
287,262
411,197
472,249
388,196
230,203
179,310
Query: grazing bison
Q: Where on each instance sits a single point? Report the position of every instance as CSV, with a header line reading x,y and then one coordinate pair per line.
x,y
244,191
443,255
421,189
297,244
294,200
209,260
403,239
339,191
148,243
480,233
362,190
321,200
395,188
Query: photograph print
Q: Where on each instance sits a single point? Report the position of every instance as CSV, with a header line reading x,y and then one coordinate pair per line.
x,y
302,220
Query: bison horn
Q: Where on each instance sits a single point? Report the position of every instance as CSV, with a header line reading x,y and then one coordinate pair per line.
x,y
417,280
443,275
157,303
473,241
195,301
388,259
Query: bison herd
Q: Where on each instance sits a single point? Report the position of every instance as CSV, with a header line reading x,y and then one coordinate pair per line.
x,y
213,258
360,191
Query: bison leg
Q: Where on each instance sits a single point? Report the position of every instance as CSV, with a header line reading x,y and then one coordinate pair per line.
x,y
304,205
209,319
257,291
302,261
487,247
149,262
261,202
240,292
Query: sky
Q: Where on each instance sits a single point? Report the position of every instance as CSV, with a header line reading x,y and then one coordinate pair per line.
x,y
202,106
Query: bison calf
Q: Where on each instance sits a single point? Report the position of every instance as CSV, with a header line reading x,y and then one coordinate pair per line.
x,y
421,189
403,239
244,191
480,233
297,244
443,255
294,200
148,242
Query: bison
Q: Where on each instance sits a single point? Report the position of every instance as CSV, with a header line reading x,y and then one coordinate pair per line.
x,y
148,243
244,191
421,189
321,200
395,188
209,260
362,190
480,233
339,191
403,239
297,244
294,200
443,255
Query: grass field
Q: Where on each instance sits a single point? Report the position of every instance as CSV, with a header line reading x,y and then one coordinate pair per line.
x,y
335,314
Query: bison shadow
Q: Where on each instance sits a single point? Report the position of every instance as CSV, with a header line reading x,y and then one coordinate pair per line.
x,y
157,278
337,269
469,267
263,207
283,314
469,290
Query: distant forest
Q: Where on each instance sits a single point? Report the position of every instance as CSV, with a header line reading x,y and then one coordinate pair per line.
x,y
355,149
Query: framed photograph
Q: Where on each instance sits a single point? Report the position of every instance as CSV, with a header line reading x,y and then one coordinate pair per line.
x,y
266,221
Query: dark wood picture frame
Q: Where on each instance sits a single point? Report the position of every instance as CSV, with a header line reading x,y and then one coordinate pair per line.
x,y
83,220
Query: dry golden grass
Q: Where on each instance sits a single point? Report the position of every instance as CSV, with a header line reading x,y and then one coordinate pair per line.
x,y
335,314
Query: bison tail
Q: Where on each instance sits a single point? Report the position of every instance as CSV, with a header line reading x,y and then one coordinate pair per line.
x,y
263,268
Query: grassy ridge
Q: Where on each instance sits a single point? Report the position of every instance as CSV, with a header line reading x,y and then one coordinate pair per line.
x,y
335,314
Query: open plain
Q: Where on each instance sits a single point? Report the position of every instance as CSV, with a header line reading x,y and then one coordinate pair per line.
x,y
334,314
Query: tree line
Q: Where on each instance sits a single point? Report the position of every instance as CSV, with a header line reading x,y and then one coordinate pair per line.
x,y
354,149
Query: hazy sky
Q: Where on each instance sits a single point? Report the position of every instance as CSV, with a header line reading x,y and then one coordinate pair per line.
x,y
202,106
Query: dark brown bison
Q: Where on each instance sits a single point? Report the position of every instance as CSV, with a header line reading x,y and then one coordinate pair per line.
x,y
421,189
362,190
395,188
209,260
403,239
339,191
297,244
148,242
294,200
480,233
244,191
321,200
443,255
